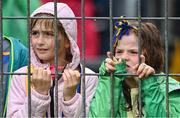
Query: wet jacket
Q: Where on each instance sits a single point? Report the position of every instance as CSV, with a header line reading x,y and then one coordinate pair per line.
x,y
18,53
15,56
153,96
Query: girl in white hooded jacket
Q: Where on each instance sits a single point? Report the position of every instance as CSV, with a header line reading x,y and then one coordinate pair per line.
x,y
42,66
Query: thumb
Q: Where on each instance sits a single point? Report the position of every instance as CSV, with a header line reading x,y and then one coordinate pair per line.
x,y
109,54
142,57
77,73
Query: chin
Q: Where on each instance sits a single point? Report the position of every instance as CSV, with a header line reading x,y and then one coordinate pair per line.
x,y
43,58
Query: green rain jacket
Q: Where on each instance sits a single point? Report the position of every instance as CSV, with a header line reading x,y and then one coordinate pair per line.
x,y
153,96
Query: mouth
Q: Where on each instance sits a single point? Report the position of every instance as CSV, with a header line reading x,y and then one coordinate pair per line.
x,y
127,66
41,50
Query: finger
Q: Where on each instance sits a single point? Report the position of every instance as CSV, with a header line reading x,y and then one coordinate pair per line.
x,y
77,73
32,82
109,67
72,78
34,74
48,74
78,76
142,57
64,78
71,73
67,77
39,73
109,54
150,72
49,77
75,78
143,73
119,60
140,68
44,74
66,72
46,81
110,61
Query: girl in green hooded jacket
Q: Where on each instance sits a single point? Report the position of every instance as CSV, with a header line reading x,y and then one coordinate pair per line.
x,y
126,61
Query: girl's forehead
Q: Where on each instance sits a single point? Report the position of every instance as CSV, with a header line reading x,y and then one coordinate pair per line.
x,y
42,28
129,41
43,25
47,23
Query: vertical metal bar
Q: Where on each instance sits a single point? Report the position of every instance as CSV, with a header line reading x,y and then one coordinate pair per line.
x,y
139,53
111,49
56,60
166,57
29,61
83,58
1,60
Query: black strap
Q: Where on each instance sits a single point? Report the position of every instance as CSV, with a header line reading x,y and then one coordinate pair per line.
x,y
52,99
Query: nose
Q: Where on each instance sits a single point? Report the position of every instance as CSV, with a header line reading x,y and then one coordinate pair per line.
x,y
125,56
40,39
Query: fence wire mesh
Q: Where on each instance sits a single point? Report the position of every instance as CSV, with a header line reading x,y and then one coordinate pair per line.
x,y
110,18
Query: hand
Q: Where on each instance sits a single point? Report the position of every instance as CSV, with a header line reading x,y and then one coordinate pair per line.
x,y
143,70
41,80
110,62
71,80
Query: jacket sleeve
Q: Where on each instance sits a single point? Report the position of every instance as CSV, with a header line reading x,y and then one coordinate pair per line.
x,y
101,102
18,101
20,54
74,107
154,98
24,56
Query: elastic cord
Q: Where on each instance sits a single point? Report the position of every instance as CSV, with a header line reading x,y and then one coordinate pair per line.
x,y
10,76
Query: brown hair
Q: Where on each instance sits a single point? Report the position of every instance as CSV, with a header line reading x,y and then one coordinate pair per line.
x,y
152,46
49,23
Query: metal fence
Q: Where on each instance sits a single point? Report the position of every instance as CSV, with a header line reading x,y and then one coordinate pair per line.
x,y
110,18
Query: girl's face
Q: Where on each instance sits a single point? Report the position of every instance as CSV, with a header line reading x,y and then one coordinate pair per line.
x,y
127,49
43,43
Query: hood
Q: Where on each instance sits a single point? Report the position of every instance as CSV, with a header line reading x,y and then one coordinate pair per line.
x,y
70,26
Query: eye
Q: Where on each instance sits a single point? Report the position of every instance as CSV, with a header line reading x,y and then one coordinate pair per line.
x,y
34,33
119,51
134,52
49,34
